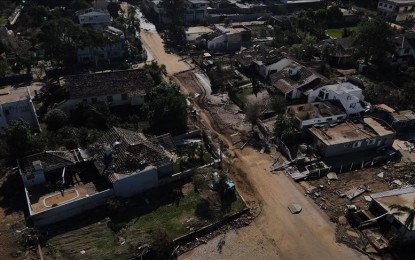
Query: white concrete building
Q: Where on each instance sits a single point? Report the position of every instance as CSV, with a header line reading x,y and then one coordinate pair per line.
x,y
93,17
230,38
350,97
62,184
404,51
17,104
400,10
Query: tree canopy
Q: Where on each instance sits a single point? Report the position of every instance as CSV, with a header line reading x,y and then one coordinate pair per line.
x,y
18,138
61,37
113,9
175,10
55,119
371,38
167,112
285,129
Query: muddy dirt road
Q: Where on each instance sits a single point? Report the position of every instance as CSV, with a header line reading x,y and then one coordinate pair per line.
x,y
308,235
153,43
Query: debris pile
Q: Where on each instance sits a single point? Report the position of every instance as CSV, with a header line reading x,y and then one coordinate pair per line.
x,y
244,220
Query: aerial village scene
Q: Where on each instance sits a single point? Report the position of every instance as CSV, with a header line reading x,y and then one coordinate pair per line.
x,y
207,129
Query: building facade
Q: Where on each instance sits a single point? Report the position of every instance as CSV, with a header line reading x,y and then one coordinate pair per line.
x,y
94,17
351,137
348,95
399,10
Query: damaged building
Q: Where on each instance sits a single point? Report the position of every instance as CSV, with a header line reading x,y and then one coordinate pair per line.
x,y
351,137
62,184
127,87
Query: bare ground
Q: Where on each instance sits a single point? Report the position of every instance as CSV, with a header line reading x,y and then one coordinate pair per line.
x,y
153,43
228,246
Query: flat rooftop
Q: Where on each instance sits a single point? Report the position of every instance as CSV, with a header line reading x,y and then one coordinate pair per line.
x,y
314,110
231,29
349,131
10,94
403,197
198,29
402,116
345,87
400,2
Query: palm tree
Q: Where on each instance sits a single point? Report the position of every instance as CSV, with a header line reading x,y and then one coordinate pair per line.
x,y
410,219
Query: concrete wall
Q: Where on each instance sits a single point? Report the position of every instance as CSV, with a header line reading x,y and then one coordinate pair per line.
x,y
395,225
22,109
237,17
95,19
136,182
70,209
320,120
36,178
217,42
165,170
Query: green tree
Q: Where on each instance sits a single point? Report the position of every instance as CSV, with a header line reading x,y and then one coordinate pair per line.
x,y
3,68
55,119
252,112
403,210
79,4
161,244
156,71
371,38
285,129
96,116
113,9
278,104
175,10
167,109
62,37
198,182
18,138
256,86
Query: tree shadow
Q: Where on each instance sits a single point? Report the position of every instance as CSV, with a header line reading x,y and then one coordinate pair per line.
x,y
116,217
12,195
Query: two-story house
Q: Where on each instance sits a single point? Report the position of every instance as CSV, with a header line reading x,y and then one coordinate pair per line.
x,y
399,10
404,51
350,137
348,95
229,38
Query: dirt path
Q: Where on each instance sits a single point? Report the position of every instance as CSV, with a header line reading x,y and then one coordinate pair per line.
x,y
153,43
308,235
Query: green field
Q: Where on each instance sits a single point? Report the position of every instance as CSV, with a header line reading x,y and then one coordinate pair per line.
x,y
337,33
